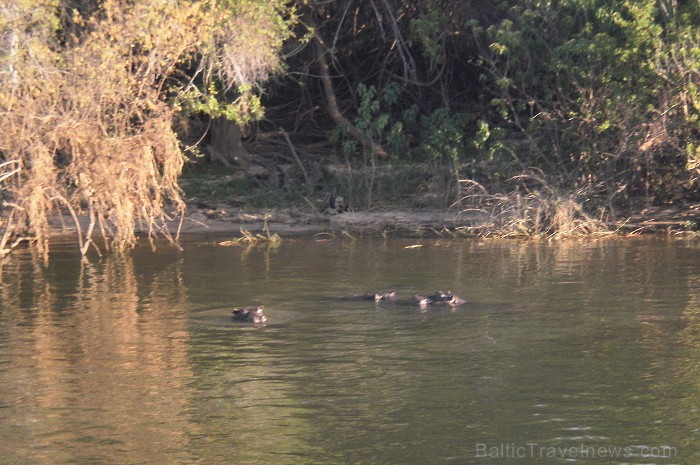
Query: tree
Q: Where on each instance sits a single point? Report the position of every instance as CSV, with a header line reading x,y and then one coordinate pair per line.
x,y
601,95
86,106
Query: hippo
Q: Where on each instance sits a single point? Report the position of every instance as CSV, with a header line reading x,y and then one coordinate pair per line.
x,y
439,298
380,296
377,296
250,314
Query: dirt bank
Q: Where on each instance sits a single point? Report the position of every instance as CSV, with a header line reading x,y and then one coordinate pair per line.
x,y
234,222
684,217
223,204
295,222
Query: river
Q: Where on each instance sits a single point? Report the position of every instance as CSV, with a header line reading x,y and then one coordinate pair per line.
x,y
566,352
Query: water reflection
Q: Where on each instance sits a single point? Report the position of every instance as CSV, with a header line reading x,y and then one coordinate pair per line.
x,y
95,361
134,359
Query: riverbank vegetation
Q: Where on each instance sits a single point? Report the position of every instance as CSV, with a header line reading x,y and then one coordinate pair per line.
x,y
556,116
90,92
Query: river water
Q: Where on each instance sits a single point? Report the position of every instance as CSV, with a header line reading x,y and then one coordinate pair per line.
x,y
569,352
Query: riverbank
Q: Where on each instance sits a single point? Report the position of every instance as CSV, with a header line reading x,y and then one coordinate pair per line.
x,y
231,203
291,221
294,222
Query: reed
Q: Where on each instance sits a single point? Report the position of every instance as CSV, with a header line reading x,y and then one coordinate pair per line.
x,y
533,208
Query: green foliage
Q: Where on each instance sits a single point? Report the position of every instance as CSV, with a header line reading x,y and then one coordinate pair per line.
x,y
243,110
441,134
602,92
429,31
371,120
442,137
242,49
482,135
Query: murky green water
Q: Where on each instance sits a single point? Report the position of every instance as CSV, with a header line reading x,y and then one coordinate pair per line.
x,y
578,352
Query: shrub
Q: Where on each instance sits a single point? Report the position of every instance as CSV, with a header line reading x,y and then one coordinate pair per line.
x,y
87,120
604,94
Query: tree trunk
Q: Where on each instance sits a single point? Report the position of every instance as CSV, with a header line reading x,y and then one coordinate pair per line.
x,y
227,144
332,103
10,43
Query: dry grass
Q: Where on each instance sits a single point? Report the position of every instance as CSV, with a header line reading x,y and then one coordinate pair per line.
x,y
85,129
90,134
248,238
532,209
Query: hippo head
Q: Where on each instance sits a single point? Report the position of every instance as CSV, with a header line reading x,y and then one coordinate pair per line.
x,y
384,296
455,300
250,314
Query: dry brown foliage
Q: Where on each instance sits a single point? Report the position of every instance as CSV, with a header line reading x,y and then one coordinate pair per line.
x,y
84,126
533,209
245,45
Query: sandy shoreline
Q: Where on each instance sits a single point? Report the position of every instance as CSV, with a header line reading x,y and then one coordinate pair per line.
x,y
220,223
291,222
405,221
